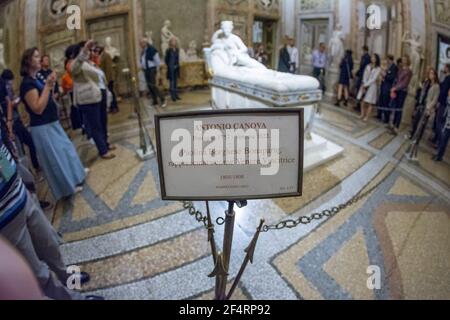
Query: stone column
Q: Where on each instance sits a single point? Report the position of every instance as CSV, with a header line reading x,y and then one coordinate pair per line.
x,y
410,100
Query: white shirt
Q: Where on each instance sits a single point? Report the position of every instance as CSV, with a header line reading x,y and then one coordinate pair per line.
x,y
156,62
293,54
102,77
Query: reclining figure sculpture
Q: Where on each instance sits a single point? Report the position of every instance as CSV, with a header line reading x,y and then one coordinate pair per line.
x,y
240,82
229,59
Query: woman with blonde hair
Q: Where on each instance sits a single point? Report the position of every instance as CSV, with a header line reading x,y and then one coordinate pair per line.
x,y
172,59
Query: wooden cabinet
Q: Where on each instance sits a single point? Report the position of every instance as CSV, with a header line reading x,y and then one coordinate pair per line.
x,y
191,74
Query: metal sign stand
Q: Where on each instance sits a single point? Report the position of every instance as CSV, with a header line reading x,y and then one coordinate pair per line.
x,y
146,150
222,259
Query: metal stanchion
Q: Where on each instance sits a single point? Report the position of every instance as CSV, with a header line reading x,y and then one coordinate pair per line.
x,y
222,260
146,150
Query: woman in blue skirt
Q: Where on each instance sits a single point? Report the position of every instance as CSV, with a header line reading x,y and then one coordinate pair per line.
x,y
57,155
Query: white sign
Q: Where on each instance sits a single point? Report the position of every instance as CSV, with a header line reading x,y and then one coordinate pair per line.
x,y
230,154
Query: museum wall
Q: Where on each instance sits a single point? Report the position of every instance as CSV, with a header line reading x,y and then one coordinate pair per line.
x,y
188,19
10,34
27,23
31,25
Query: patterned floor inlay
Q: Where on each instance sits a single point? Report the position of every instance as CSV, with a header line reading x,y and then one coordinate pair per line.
x,y
348,123
382,141
123,223
239,294
414,240
136,246
147,262
118,193
324,178
332,262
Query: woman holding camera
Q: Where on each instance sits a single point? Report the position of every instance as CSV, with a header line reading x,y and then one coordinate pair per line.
x,y
56,153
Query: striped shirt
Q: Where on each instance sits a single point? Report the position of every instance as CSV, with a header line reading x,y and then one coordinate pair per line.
x,y
13,195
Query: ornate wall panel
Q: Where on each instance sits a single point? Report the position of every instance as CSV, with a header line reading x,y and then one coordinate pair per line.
x,y
10,18
55,44
116,28
188,19
441,12
243,13
53,12
267,6
316,5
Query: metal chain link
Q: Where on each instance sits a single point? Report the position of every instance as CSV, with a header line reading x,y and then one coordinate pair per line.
x,y
304,220
329,213
195,213
325,214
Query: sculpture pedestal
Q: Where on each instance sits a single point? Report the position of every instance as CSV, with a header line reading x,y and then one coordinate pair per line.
x,y
319,151
231,94
408,109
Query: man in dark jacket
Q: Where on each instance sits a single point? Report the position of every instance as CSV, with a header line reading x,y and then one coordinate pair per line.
x,y
385,89
284,64
150,63
365,61
442,103
172,59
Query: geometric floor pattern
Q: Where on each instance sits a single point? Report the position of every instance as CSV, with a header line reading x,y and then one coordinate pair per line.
x,y
136,246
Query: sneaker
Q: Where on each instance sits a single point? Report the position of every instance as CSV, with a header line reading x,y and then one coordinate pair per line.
x,y
84,277
45,205
91,141
164,104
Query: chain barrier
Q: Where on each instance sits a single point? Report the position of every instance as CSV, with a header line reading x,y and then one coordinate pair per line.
x,y
325,214
304,220
188,205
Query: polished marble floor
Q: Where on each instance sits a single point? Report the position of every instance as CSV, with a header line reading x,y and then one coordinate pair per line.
x,y
136,246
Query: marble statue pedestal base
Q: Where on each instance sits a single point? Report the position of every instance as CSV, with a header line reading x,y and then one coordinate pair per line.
x,y
408,109
319,151
238,95
145,156
331,80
